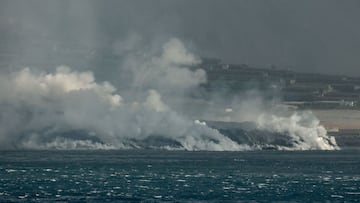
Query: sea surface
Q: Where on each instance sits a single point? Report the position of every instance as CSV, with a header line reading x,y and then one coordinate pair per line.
x,y
179,176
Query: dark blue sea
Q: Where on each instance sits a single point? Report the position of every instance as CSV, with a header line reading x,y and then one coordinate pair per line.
x,y
180,176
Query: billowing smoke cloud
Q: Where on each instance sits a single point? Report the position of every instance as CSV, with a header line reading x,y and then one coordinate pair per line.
x,y
37,107
170,66
70,109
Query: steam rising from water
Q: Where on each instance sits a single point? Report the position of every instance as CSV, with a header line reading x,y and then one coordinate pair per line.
x,y
303,128
73,100
69,109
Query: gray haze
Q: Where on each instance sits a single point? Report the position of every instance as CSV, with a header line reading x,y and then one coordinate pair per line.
x,y
311,36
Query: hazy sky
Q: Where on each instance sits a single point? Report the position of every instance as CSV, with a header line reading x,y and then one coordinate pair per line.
x,y
307,35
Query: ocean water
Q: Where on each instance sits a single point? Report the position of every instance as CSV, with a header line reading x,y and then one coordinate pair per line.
x,y
179,176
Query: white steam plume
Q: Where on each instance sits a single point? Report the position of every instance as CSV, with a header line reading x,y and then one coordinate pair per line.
x,y
297,130
166,72
304,130
36,108
69,109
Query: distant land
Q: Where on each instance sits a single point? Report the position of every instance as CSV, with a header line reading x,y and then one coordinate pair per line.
x,y
304,90
334,99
